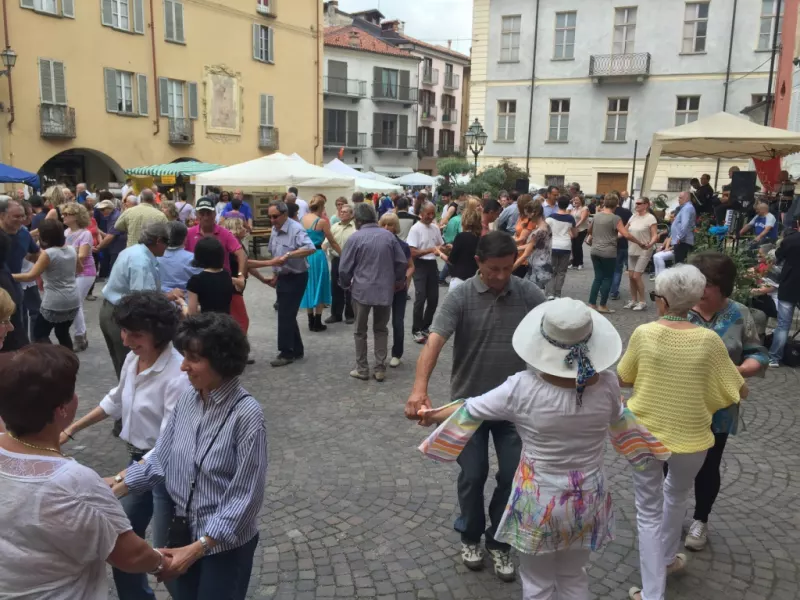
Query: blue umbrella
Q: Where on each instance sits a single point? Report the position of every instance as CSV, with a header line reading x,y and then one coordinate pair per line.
x,y
13,175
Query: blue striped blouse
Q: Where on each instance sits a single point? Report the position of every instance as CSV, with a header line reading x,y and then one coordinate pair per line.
x,y
229,489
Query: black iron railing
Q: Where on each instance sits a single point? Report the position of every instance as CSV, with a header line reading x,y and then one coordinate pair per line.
x,y
181,131
268,137
355,88
56,121
614,65
348,139
393,141
382,90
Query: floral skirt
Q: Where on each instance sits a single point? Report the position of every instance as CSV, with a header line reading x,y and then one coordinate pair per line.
x,y
551,511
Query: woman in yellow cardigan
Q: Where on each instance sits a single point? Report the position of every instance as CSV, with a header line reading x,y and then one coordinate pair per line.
x,y
681,375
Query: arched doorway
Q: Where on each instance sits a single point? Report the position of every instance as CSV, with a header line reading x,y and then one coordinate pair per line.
x,y
81,165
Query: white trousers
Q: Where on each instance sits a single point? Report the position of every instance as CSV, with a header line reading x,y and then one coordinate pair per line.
x,y
659,259
84,284
660,509
555,575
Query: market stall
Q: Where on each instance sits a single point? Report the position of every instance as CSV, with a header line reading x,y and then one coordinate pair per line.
x,y
171,176
362,184
9,174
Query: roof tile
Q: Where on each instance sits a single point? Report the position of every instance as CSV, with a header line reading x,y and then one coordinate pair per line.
x,y
340,38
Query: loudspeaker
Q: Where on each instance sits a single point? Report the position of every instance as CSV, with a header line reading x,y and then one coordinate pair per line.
x,y
523,186
743,188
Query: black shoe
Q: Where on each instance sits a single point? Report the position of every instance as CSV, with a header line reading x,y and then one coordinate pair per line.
x,y
318,323
349,320
312,324
281,361
251,361
333,319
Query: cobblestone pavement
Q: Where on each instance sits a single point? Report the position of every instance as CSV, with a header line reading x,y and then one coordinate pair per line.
x,y
352,510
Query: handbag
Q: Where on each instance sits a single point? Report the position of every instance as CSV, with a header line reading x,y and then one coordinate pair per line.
x,y
179,533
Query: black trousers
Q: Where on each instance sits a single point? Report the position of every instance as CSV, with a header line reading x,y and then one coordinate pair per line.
x,y
341,301
42,328
577,248
682,250
398,322
426,290
708,479
290,289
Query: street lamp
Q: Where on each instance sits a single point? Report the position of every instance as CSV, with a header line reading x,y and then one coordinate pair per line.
x,y
476,140
9,60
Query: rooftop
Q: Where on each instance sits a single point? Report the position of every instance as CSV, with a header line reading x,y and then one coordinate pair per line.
x,y
353,38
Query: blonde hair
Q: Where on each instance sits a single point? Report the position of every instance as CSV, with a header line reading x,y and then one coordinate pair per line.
x,y
82,218
55,195
7,306
390,219
317,203
471,217
168,208
235,226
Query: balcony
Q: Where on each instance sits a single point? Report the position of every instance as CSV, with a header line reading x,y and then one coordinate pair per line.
x,y
430,76
181,131
56,121
452,81
268,137
446,150
266,8
387,92
619,67
427,113
344,139
449,116
393,141
426,149
354,89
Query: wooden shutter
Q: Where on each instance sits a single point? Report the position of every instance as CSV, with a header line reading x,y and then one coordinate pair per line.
x,y
270,45
169,21
179,29
352,128
193,108
377,119
46,92
163,96
263,110
27,4
141,91
110,77
68,8
403,125
256,33
405,81
59,83
377,74
107,14
138,16
268,110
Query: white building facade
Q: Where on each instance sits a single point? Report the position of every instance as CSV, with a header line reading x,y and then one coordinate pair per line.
x,y
609,73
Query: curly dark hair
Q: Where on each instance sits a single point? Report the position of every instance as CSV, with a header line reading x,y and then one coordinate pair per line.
x,y
718,268
36,380
218,338
148,312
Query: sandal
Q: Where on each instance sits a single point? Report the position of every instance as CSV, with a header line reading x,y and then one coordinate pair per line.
x,y
678,565
635,593
605,310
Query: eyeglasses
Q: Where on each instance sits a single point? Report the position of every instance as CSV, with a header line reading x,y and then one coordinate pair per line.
x,y
638,203
273,217
653,297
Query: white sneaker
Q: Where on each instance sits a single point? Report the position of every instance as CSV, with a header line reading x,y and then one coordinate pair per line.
x,y
357,375
579,267
640,306
503,565
630,304
395,362
774,364
697,538
420,337
472,556
678,565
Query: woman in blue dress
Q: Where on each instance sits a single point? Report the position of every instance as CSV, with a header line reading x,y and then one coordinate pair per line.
x,y
318,290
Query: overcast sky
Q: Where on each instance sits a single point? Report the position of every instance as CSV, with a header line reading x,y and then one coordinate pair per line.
x,y
433,21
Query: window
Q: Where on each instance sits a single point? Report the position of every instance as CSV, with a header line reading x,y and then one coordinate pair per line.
x,y
126,15
389,79
624,30
616,119
263,44
173,21
506,120
57,8
565,35
678,184
554,180
559,120
52,83
767,25
509,39
688,110
265,7
695,27
126,93
177,99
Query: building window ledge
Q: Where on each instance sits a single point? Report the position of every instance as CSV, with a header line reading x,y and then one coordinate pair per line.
x,y
691,53
562,59
504,141
128,114
615,141
556,141
507,62
176,42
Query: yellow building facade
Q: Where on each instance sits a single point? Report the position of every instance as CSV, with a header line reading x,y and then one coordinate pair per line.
x,y
100,86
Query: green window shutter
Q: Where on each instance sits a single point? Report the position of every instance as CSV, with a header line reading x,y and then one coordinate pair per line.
x,y
193,103
46,93
138,16
141,91
110,78
163,96
59,83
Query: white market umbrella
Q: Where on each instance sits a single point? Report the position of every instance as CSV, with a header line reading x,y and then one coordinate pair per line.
x,y
415,179
275,170
377,177
362,183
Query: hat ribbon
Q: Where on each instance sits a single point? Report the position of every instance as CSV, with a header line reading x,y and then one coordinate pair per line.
x,y
578,354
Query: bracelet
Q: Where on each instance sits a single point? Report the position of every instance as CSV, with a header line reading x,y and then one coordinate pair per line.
x,y
68,435
204,542
160,566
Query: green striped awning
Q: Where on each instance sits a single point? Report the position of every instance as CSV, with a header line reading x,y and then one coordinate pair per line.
x,y
188,167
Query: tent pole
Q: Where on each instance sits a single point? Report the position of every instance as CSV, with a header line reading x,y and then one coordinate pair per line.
x,y
727,79
768,108
633,169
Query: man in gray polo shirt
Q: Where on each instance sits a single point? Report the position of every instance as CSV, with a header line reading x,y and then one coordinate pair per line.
x,y
483,313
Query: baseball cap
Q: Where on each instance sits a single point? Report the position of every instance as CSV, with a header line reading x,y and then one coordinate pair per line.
x,y
104,204
205,203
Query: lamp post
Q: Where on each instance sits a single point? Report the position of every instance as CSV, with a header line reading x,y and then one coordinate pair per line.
x,y
476,140
9,60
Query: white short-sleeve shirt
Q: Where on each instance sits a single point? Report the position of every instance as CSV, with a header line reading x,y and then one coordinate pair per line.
x,y
423,237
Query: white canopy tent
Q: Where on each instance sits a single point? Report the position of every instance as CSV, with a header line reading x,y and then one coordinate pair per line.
x,y
362,183
377,177
722,135
275,170
415,179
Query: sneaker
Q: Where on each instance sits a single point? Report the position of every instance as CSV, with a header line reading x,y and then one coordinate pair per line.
x,y
395,362
640,306
551,297
503,565
379,376
333,319
472,556
774,364
629,304
653,277
349,321
570,267
579,267
358,375
697,537
91,298
281,361
678,565
420,337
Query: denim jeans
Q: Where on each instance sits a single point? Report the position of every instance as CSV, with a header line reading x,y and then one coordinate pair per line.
x,y
398,322
603,276
781,333
474,463
222,576
290,290
444,273
141,508
619,269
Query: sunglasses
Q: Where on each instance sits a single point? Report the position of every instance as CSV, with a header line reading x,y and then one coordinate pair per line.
x,y
653,297
638,203
273,217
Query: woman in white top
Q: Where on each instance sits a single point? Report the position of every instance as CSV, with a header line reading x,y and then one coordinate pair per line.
x,y
560,508
57,266
644,227
150,384
61,523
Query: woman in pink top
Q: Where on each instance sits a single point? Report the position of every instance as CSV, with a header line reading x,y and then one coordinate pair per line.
x,y
77,220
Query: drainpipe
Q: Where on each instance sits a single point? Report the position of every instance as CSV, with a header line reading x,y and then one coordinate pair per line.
x,y
770,92
533,76
727,78
10,84
316,83
157,108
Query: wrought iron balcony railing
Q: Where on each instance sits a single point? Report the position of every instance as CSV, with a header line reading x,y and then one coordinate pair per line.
x,y
181,131
390,92
449,116
347,139
427,112
56,121
268,137
619,65
393,141
430,76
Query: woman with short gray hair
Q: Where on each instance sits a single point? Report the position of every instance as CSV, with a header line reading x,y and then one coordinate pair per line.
x,y
681,375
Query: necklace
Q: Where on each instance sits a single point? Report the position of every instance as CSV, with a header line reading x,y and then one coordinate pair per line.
x,y
674,318
15,438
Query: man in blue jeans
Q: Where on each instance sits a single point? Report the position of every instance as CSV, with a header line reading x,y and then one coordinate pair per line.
x,y
788,292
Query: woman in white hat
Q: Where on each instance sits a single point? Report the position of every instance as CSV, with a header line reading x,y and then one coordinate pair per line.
x,y
560,508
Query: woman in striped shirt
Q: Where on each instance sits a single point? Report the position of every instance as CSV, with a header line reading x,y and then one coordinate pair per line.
x,y
212,455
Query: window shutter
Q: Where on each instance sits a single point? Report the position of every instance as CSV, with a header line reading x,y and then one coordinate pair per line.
x,y
138,16
111,90
256,32
179,37
271,111
270,45
68,8
263,111
169,21
163,96
141,90
45,81
106,14
27,4
193,112
59,84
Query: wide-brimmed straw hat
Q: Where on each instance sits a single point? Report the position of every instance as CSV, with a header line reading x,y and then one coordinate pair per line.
x,y
552,332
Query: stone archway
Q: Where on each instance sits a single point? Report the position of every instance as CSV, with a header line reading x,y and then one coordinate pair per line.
x,y
81,165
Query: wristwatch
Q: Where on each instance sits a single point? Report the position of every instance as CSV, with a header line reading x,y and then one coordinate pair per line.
x,y
118,478
204,542
160,566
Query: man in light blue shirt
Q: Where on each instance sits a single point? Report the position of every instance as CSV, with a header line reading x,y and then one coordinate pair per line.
x,y
682,232
175,267
507,221
136,269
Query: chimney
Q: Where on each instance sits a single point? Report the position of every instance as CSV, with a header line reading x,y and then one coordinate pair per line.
x,y
354,41
333,7
393,25
449,44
